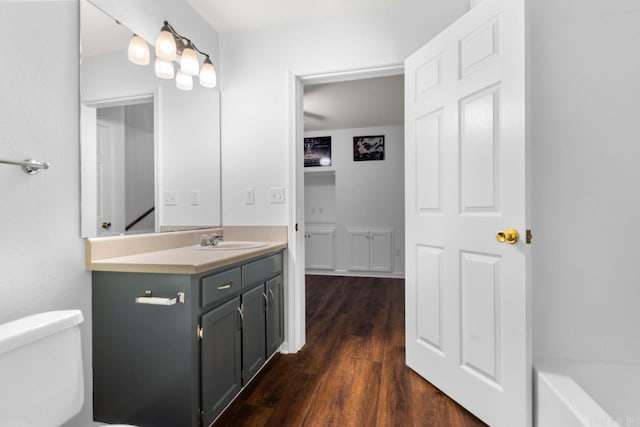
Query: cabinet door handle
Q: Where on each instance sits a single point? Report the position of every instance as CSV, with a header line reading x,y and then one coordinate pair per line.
x,y
225,286
272,297
160,300
241,316
266,300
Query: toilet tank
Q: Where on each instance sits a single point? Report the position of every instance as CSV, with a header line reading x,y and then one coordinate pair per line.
x,y
41,382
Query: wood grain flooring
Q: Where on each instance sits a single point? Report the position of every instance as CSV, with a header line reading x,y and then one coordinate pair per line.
x,y
352,370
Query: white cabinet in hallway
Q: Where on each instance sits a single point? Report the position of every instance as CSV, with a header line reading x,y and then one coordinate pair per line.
x,y
370,249
320,248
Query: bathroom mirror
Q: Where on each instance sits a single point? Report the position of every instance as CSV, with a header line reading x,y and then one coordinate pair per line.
x,y
150,153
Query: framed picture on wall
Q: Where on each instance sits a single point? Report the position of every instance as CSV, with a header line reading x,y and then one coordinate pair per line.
x,y
317,151
368,148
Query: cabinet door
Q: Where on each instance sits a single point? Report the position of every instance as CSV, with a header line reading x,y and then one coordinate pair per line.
x,y
275,318
320,244
253,332
381,244
359,250
220,358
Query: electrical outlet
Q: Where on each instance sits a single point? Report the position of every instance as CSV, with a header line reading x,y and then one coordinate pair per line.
x,y
195,197
276,195
249,196
170,198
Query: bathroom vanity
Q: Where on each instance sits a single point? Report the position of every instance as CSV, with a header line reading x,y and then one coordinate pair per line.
x,y
174,349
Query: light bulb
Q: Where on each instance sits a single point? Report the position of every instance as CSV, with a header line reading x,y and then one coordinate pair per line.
x,y
208,76
166,44
164,69
189,61
184,81
138,51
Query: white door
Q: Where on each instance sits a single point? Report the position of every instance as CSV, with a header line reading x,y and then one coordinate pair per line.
x,y
110,171
468,326
105,180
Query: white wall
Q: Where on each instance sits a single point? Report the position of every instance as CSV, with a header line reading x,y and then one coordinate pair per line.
x,y
41,253
586,240
367,194
111,76
189,133
255,101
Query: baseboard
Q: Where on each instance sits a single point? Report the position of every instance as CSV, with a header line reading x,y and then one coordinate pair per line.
x,y
347,273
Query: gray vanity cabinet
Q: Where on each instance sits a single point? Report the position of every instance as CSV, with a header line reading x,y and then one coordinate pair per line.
x,y
174,349
220,358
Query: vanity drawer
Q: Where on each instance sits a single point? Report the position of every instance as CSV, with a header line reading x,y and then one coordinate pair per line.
x,y
261,270
220,285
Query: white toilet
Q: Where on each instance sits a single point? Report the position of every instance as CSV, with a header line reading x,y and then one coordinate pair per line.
x,y
41,381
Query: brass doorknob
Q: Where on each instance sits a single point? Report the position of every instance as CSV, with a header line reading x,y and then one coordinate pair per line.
x,y
509,236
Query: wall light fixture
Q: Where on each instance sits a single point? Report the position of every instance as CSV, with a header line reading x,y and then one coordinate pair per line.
x,y
172,47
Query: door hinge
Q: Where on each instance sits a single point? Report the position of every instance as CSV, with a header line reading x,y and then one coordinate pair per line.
x,y
199,333
296,226
200,416
528,237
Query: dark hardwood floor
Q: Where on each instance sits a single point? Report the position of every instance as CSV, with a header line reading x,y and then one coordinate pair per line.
x,y
352,370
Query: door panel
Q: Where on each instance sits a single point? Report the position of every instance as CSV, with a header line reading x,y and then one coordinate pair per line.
x,y
429,321
467,295
429,163
481,315
479,151
480,46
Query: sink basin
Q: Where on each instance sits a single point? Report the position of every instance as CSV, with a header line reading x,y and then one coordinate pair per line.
x,y
230,246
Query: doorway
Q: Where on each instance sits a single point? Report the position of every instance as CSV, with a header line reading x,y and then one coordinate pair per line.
x,y
354,177
295,325
119,157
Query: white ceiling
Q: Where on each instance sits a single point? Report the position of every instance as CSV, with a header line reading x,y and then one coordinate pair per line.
x,y
354,104
240,15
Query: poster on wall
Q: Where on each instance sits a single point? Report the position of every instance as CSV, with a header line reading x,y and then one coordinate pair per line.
x,y
368,148
317,151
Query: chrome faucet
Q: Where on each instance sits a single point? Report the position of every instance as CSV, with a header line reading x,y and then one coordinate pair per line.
x,y
211,240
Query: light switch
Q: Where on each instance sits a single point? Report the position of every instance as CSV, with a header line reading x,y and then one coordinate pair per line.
x,y
249,196
276,195
195,197
170,198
